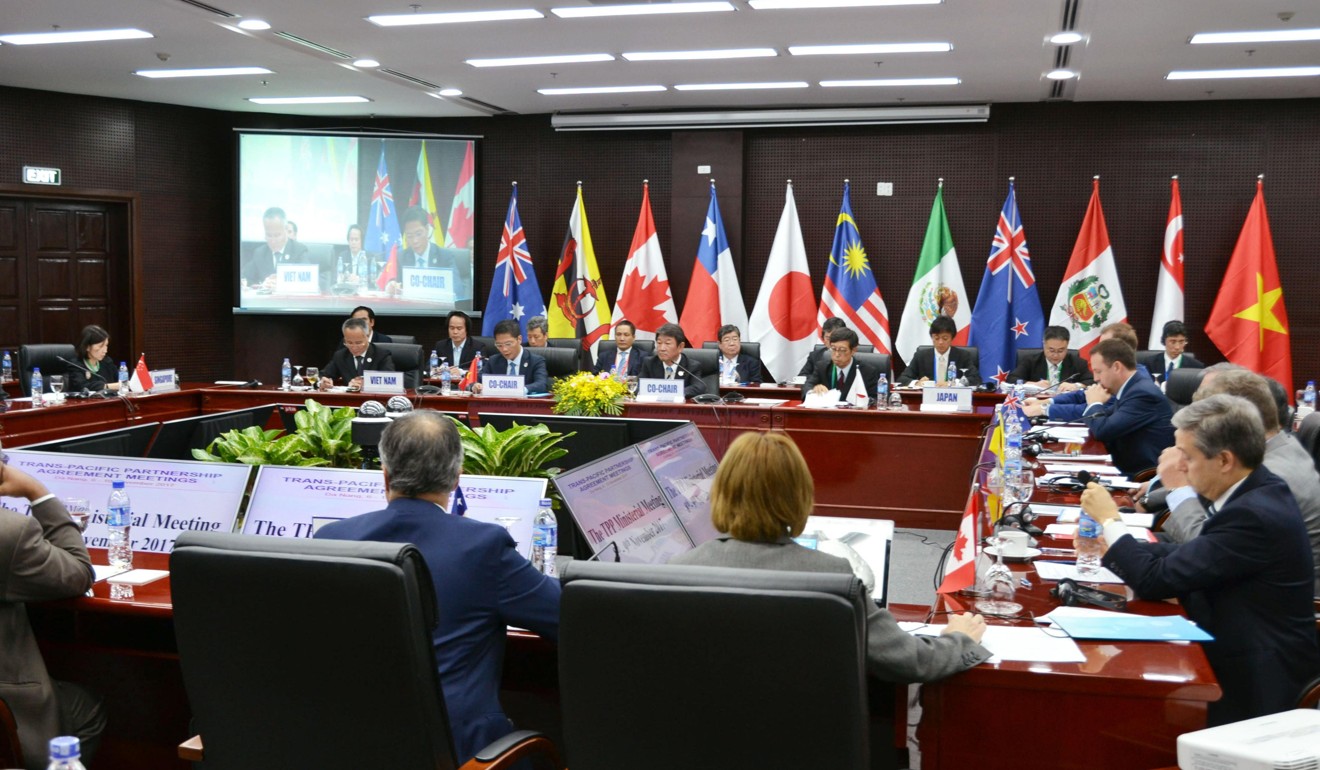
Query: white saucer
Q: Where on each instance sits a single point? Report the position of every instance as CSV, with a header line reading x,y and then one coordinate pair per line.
x,y
1031,554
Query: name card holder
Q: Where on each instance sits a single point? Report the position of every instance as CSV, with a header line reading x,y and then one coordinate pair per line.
x,y
163,380
658,391
433,284
946,399
382,382
503,385
298,279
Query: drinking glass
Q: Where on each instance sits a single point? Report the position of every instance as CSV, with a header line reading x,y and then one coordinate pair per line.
x,y
298,380
313,375
79,511
1019,487
508,522
57,385
632,386
895,400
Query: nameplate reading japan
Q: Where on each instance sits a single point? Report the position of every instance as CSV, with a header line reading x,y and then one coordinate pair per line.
x,y
382,382
660,391
298,279
163,380
507,385
432,284
946,399
169,496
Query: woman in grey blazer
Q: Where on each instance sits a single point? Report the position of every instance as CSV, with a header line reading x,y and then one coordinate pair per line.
x,y
760,499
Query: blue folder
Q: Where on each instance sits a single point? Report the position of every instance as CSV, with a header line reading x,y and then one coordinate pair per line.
x,y
1139,628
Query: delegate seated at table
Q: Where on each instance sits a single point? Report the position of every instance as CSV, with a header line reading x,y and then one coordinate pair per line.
x,y
355,357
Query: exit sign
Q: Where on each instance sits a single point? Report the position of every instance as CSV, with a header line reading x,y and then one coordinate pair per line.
x,y
39,175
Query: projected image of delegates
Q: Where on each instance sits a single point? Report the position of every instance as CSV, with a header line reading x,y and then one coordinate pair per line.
x,y
328,220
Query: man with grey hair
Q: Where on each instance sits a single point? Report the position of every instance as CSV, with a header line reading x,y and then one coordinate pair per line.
x,y
1283,456
538,331
482,584
357,355
1247,578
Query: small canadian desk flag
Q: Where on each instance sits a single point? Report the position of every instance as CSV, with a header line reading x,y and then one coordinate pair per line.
x,y
140,382
960,565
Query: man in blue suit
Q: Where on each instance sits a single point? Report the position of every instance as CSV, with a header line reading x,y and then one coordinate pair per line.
x,y
1069,404
482,583
1247,578
1135,426
621,353
514,359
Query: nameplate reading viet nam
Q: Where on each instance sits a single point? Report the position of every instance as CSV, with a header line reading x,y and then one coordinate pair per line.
x,y
298,279
660,391
163,380
507,385
382,382
946,400
433,284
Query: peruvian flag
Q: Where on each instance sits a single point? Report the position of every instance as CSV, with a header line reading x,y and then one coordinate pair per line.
x,y
713,297
937,288
784,317
1249,323
1169,290
141,381
1090,296
960,565
459,235
644,298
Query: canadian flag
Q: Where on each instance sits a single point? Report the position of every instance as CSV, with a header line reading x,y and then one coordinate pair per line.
x,y
644,298
784,318
1090,297
960,566
141,381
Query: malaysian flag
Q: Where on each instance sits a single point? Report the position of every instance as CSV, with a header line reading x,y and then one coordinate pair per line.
x,y
514,292
1008,315
850,290
383,226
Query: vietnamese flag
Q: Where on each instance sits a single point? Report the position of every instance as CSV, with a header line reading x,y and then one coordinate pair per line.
x,y
1248,323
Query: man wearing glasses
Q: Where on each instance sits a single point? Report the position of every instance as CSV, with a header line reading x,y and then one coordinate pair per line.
x,y
42,557
419,251
513,359
839,372
356,356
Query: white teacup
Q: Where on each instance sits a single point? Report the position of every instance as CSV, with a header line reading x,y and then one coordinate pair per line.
x,y
1013,543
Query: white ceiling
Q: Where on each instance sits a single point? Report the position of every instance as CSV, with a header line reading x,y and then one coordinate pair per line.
x,y
1000,52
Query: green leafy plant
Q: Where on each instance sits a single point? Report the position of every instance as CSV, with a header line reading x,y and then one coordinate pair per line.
x,y
254,446
522,450
328,434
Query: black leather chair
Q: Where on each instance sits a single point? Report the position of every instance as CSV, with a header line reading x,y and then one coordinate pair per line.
x,y
724,667
484,344
1023,354
11,751
560,362
1308,434
752,349
860,348
877,361
705,362
564,342
43,356
408,359
312,653
1181,386
646,346
403,339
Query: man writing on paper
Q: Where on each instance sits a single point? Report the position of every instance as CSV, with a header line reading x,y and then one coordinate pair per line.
x,y
823,352
841,371
1053,365
1247,578
356,356
1067,406
1125,409
482,584
669,362
513,359
42,557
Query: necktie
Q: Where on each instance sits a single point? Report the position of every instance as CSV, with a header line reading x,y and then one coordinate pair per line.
x,y
1054,374
357,360
279,256
1168,370
623,361
669,372
1210,510
941,368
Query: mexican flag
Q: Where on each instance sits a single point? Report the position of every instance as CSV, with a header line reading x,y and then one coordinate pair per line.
x,y
937,287
1090,297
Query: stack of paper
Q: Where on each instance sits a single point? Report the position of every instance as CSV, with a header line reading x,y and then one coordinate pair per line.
x,y
1015,643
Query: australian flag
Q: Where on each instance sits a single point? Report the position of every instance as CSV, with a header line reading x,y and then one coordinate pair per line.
x,y
1008,315
383,227
514,292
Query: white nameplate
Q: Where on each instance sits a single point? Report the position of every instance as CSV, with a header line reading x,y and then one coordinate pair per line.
x,y
435,284
298,279
660,391
946,399
507,385
382,382
163,380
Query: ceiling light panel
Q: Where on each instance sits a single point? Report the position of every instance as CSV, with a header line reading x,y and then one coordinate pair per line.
x,y
456,17
519,61
203,72
739,86
726,53
599,90
890,82
778,5
1260,36
596,11
308,99
83,36
1257,72
869,48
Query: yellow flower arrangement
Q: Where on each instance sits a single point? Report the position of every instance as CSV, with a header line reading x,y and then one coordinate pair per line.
x,y
589,395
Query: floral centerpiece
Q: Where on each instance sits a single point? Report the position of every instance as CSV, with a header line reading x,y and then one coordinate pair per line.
x,y
589,395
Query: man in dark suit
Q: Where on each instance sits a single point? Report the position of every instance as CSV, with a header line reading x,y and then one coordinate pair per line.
x,y
842,369
621,353
933,365
279,249
42,557
822,353
1161,363
481,581
356,356
369,315
515,359
735,366
459,349
1247,578
1136,426
669,362
1051,367
419,251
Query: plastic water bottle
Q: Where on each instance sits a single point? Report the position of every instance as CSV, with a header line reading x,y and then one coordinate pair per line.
x,y
446,379
286,375
123,377
882,392
119,520
545,540
1012,423
1308,397
37,384
1088,545
952,376
7,368
65,754
435,363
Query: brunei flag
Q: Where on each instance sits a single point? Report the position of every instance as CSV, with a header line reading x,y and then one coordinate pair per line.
x,y
578,308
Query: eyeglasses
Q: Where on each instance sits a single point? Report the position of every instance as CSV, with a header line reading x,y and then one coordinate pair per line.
x,y
505,345
840,350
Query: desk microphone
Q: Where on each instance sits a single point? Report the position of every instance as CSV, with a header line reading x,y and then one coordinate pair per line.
x,y
85,368
1070,378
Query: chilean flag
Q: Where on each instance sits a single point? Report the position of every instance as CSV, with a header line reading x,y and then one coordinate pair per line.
x,y
713,296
